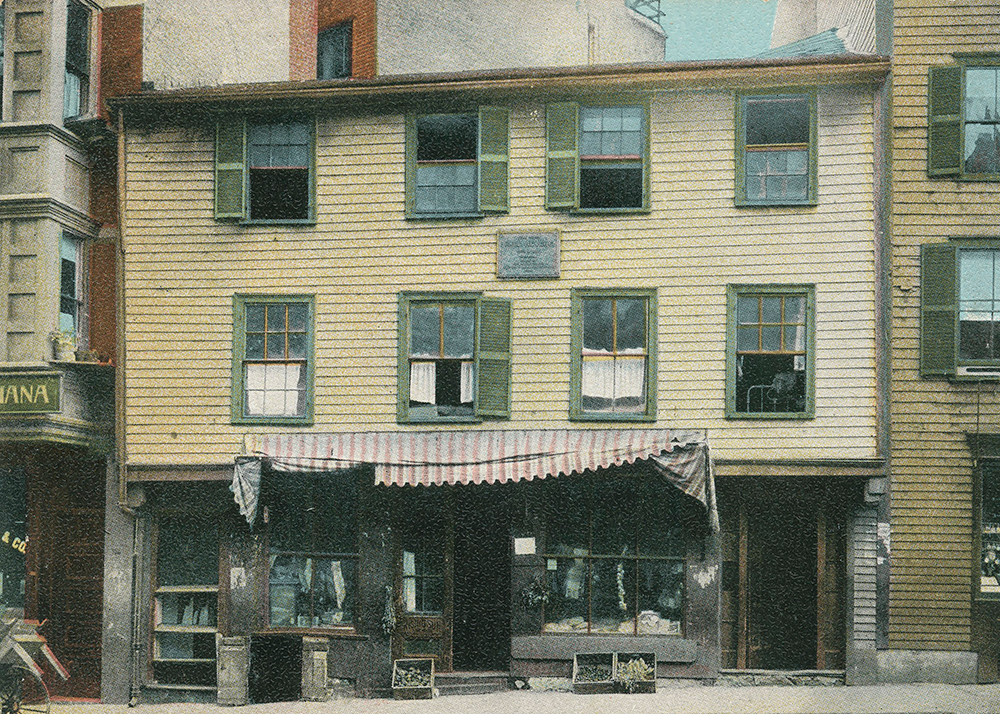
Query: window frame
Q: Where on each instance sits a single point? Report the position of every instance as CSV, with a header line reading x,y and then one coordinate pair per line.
x,y
81,72
492,399
317,481
238,395
736,290
812,169
993,459
232,169
946,116
492,163
940,323
576,411
563,161
335,30
79,297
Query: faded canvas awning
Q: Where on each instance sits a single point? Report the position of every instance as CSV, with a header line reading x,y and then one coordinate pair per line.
x,y
435,458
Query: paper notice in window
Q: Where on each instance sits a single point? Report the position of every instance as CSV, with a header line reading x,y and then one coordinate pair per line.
x,y
524,546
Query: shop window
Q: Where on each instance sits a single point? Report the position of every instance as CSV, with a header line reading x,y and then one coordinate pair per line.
x,y
185,615
457,164
770,353
313,551
272,359
76,88
614,558
264,170
423,582
597,157
613,354
72,314
13,536
989,517
964,119
776,149
960,309
454,357
333,52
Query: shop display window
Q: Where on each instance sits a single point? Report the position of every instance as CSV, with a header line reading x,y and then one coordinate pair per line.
x,y
185,605
313,550
989,577
614,560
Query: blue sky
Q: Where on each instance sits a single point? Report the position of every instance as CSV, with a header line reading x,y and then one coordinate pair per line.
x,y
717,29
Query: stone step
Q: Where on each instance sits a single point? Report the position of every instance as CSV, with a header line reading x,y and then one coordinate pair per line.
x,y
451,683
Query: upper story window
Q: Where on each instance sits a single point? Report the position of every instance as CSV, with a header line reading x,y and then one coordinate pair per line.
x,y
776,149
272,359
770,351
333,52
960,309
454,357
597,157
264,170
456,164
613,355
313,550
76,89
964,119
72,312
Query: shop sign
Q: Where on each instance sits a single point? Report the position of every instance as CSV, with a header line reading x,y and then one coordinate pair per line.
x,y
29,393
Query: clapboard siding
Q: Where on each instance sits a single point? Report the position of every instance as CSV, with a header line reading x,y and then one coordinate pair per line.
x,y
182,269
932,521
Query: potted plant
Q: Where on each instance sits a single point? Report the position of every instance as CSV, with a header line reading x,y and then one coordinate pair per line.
x,y
63,345
635,672
593,673
413,678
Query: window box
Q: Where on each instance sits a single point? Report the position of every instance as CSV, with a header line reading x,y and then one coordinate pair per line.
x,y
962,118
413,678
594,673
635,672
776,149
597,157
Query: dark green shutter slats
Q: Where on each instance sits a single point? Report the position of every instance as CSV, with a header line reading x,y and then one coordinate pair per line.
x,y
411,164
562,158
494,129
230,143
944,121
938,309
493,358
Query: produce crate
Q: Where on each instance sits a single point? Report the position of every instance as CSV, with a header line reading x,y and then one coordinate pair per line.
x,y
413,678
625,673
593,673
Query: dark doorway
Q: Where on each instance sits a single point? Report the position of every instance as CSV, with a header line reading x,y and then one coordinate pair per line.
x,y
782,587
481,637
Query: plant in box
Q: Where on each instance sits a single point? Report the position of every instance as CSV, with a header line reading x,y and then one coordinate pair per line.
x,y
594,673
413,678
635,672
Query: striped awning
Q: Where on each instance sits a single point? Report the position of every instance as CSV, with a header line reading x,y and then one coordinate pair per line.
x,y
436,458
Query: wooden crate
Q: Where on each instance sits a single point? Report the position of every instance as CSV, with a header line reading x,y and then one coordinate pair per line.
x,y
645,686
424,666
593,673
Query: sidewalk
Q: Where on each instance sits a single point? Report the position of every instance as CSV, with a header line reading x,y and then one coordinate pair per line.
x,y
880,699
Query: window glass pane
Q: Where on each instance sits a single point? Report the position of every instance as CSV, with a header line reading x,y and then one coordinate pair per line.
x,y
187,552
661,597
981,151
793,187
631,332
196,609
614,186
276,317
255,317
613,596
598,326
425,331
297,345
770,309
567,581
747,310
614,520
447,137
334,52
795,338
567,523
796,162
747,339
981,94
795,309
774,120
631,119
459,330
276,346
990,556
769,383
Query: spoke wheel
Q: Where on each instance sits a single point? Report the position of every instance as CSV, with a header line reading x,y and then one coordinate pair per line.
x,y
21,690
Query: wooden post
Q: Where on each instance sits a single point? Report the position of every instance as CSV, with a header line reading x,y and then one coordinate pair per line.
x,y
742,645
821,610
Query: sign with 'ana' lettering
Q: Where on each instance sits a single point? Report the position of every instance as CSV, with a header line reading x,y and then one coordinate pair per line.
x,y
29,393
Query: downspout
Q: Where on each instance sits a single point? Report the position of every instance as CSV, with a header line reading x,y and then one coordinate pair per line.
x,y
121,450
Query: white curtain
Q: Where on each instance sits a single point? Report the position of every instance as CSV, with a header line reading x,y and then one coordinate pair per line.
x,y
467,382
613,378
422,378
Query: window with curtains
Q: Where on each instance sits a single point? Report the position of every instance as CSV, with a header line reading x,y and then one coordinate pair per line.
x,y
312,549
613,354
614,556
272,359
454,361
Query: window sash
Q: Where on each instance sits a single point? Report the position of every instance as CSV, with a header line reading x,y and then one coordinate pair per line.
x,y
776,160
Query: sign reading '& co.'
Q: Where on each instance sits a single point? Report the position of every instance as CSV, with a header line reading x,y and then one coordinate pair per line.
x,y
29,394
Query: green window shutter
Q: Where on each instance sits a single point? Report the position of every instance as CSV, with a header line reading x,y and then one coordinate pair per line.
x,y
562,159
944,121
403,359
230,152
494,123
493,357
938,309
411,164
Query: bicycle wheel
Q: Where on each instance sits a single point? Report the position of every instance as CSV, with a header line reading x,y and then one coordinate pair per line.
x,y
21,690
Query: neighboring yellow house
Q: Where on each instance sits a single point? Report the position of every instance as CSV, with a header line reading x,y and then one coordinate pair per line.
x,y
945,596
467,284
